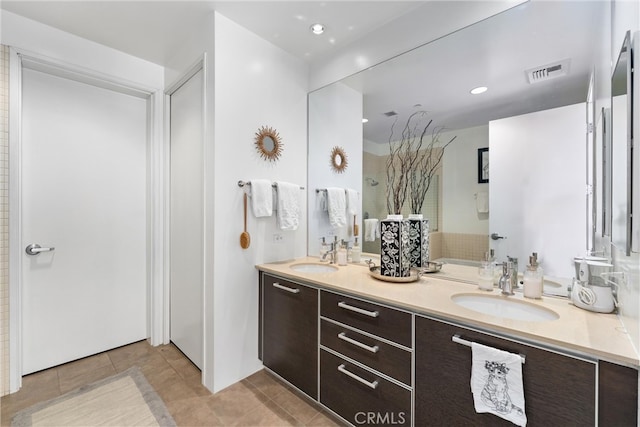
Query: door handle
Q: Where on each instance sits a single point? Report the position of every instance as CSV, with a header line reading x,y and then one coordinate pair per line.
x,y
496,236
35,249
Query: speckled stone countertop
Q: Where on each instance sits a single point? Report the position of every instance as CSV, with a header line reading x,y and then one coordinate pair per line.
x,y
578,331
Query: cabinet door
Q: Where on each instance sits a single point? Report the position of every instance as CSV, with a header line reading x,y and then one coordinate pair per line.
x,y
290,332
617,395
559,390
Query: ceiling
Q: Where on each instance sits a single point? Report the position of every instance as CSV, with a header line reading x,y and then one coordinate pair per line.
x,y
438,76
154,30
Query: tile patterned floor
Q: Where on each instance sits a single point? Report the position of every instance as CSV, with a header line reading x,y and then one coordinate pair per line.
x,y
258,400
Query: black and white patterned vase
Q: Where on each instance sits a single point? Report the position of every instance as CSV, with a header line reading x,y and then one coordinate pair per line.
x,y
418,240
394,247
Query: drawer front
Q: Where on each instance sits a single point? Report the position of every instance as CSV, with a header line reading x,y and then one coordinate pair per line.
x,y
290,332
388,323
375,353
361,397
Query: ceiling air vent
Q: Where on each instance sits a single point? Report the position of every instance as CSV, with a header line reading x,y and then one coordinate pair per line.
x,y
390,113
548,72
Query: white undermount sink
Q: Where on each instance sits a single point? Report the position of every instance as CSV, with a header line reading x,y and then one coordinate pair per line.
x,y
506,307
309,267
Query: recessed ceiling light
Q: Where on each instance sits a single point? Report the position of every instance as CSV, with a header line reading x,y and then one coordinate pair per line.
x,y
317,29
478,90
365,120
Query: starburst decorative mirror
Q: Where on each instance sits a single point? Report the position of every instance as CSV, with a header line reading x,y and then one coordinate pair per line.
x,y
338,159
268,143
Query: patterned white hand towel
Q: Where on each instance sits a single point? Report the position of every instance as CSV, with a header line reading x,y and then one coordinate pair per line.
x,y
337,206
496,383
261,198
288,205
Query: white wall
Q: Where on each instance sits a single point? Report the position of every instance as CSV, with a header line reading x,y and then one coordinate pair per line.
x,y
460,181
335,119
256,84
537,175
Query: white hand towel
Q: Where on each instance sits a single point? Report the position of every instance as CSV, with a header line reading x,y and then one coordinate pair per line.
x,y
482,202
496,383
261,198
352,202
288,205
371,230
337,206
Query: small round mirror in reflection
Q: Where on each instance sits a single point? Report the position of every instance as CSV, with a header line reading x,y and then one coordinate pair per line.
x,y
338,159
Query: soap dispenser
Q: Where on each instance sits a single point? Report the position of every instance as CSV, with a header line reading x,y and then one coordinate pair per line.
x,y
342,254
356,252
533,278
485,273
324,250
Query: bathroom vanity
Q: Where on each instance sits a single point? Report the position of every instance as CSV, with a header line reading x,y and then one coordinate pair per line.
x,y
384,353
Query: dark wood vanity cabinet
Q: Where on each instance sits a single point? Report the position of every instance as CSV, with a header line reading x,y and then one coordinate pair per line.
x,y
373,364
559,390
289,313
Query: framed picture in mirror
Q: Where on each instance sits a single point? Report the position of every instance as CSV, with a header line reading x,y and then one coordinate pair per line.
x,y
483,165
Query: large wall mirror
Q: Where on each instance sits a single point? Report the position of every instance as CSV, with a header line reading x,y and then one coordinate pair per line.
x,y
621,125
537,60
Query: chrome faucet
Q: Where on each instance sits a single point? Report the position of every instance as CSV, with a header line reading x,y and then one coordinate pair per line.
x,y
505,282
333,251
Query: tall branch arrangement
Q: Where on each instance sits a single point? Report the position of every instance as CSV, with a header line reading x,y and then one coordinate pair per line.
x,y
428,162
409,167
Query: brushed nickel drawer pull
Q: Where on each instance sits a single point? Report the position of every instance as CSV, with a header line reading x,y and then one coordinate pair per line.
x,y
344,337
358,310
286,288
372,385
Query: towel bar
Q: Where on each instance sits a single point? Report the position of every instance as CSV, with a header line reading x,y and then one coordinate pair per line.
x,y
324,190
243,183
458,340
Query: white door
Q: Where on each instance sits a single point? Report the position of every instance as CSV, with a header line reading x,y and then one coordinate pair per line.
x,y
187,219
83,193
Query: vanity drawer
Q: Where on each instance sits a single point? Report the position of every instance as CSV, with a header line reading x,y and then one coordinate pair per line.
x,y
393,325
360,396
375,353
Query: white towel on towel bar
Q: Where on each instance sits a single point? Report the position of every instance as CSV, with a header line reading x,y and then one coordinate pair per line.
x,y
261,198
496,383
288,198
337,207
371,230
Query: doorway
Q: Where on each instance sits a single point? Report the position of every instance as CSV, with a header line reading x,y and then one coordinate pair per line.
x,y
81,192
187,215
